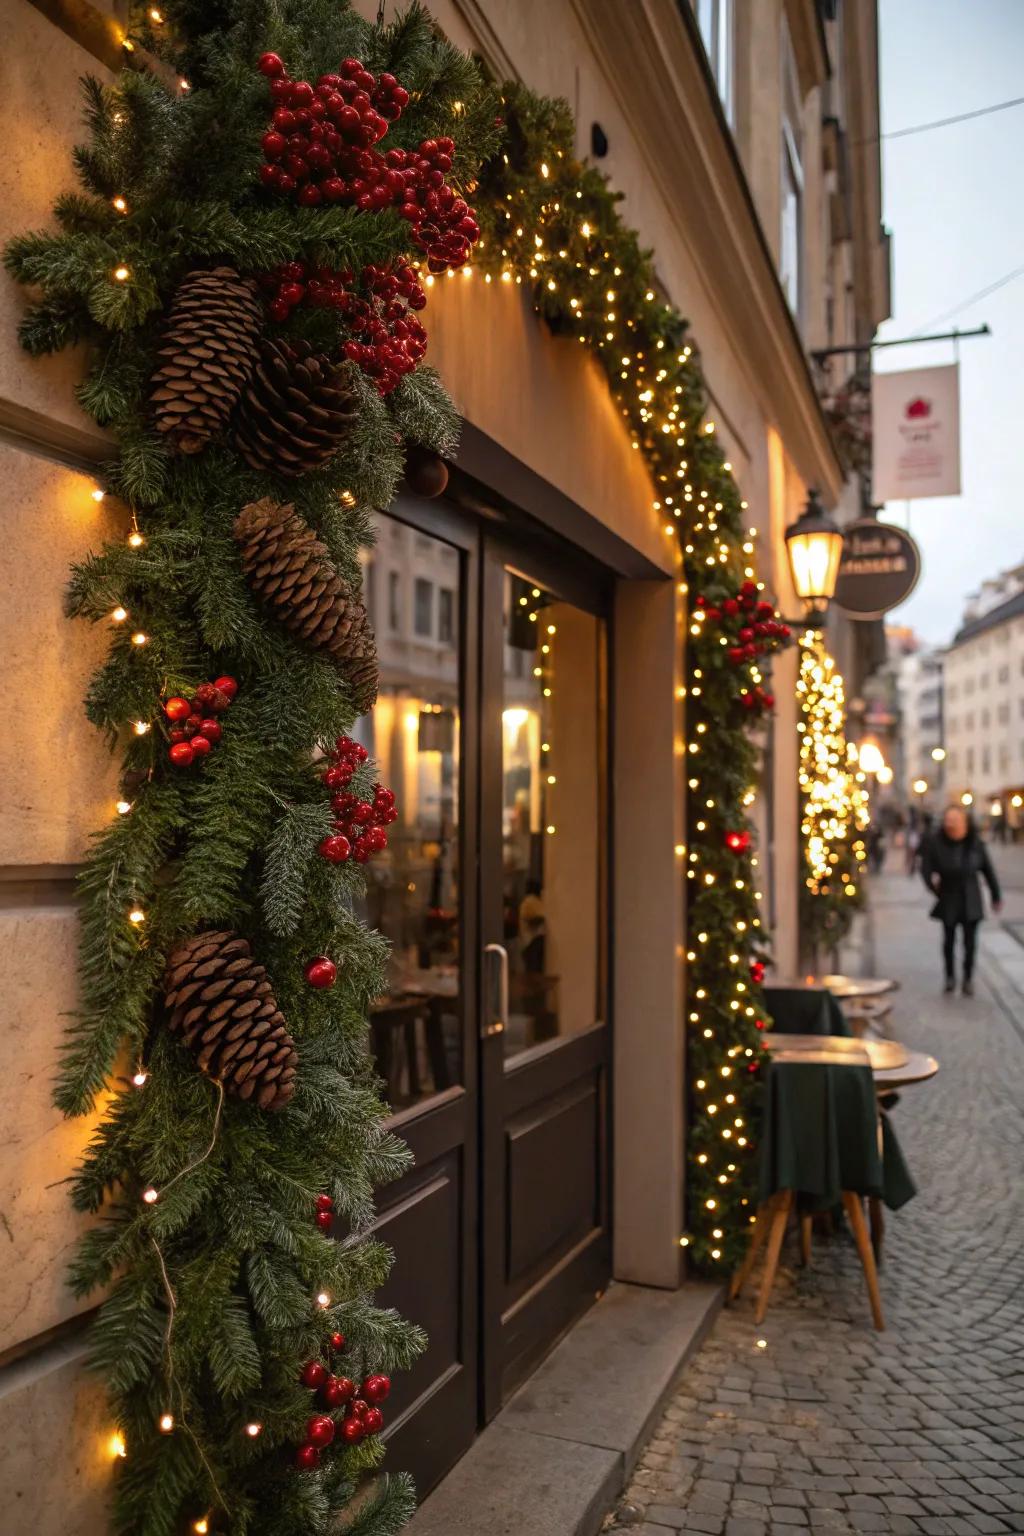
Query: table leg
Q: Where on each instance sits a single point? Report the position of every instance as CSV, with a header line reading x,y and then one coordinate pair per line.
x,y
754,1247
877,1226
805,1239
771,1263
855,1216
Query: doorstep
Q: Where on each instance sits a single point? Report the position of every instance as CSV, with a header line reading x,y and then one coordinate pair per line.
x,y
561,1451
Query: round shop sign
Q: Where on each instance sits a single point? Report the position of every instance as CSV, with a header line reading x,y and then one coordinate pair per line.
x,y
878,569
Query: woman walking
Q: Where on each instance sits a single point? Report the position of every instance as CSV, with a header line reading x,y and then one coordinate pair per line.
x,y
951,863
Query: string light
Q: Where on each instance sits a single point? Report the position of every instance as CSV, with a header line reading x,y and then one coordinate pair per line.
x,y
119,615
98,494
165,1423
254,1429
201,1526
323,1300
123,807
122,274
139,638
116,1445
119,204
150,1196
141,727
136,916
140,1079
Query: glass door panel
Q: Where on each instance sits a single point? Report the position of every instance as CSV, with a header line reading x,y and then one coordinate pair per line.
x,y
414,890
552,719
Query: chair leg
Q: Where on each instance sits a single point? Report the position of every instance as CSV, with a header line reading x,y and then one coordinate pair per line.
x,y
855,1216
877,1220
754,1247
805,1239
771,1262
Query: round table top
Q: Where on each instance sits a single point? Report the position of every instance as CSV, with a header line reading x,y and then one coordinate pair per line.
x,y
857,986
892,1064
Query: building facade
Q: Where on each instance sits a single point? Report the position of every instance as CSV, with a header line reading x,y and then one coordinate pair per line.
x,y
920,688
984,701
542,791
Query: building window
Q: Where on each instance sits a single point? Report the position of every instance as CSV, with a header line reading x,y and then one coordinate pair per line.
x,y
394,602
791,239
715,20
446,615
423,607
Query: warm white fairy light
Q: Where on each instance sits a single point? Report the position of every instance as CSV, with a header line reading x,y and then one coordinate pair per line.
x,y
165,1423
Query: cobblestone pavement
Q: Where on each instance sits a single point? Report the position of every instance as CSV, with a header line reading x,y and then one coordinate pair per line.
x,y
920,1429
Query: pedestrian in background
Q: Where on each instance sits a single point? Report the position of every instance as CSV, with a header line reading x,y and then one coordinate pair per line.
x,y
953,864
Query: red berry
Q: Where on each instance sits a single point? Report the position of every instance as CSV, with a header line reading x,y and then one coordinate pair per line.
x,y
307,1457
334,189
338,1342
210,730
271,65
373,1421
176,735
359,1407
274,144
376,1388
352,1431
301,94
313,1374
363,811
360,852
322,972
270,175
278,310
336,848
177,709
320,1430
336,1391
310,196
200,745
324,1220
324,1203
181,754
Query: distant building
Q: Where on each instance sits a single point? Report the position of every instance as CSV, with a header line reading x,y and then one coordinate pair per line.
x,y
919,683
984,700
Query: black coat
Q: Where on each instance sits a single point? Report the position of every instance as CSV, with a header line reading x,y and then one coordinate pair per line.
x,y
951,872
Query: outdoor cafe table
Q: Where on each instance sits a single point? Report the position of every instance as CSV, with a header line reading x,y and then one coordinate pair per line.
x,y
801,1009
847,988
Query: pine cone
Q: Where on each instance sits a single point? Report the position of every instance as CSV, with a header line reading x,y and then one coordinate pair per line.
x,y
219,999
291,571
208,352
296,410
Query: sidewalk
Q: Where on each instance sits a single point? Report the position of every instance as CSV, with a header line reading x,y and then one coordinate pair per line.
x,y
834,1428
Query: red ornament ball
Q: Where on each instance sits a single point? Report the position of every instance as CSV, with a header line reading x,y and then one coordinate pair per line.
x,y
271,65
336,849
373,1421
320,1430
201,745
313,1374
337,1391
322,972
324,1203
737,842
177,709
352,1431
307,1457
324,1220
337,1341
210,730
376,1388
181,754
730,606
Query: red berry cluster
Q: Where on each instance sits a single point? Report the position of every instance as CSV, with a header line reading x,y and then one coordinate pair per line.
x,y
757,971
318,149
359,824
324,1212
361,1414
737,842
386,339
194,729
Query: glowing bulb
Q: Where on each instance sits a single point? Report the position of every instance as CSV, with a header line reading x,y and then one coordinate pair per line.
x,y
119,615
166,1423
116,1445
252,1430
141,727
120,205
135,539
323,1300
140,1079
762,1343
201,1526
139,638
122,274
151,1197
123,807
136,915
97,494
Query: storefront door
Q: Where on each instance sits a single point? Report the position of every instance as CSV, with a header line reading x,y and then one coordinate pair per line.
x,y
492,1037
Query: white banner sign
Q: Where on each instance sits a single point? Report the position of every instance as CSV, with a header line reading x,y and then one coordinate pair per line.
x,y
916,433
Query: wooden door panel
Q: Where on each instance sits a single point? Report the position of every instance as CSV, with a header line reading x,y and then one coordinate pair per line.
x,y
553,1178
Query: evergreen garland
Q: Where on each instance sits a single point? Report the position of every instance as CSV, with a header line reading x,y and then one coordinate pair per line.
x,y
552,224
221,1287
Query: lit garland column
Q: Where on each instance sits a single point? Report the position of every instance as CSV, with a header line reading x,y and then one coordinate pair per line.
x,y
835,803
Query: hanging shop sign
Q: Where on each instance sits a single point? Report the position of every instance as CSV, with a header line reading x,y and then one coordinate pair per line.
x,y
878,569
915,418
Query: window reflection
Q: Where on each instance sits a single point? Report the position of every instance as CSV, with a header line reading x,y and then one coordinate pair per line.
x,y
412,582
551,815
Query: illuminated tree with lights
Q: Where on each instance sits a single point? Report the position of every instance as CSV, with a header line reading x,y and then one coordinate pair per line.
x,y
835,803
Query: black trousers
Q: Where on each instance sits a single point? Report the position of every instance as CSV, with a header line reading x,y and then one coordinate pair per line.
x,y
970,946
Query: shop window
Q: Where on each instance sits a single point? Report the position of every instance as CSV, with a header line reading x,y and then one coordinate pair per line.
x,y
716,21
445,615
423,608
791,235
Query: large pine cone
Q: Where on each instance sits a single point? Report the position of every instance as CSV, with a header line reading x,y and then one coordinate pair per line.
x,y
219,999
296,410
291,571
208,352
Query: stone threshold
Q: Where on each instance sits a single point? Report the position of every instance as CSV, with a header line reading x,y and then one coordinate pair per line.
x,y
561,1451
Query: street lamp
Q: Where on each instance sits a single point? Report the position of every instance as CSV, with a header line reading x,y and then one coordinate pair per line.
x,y
813,546
938,754
871,759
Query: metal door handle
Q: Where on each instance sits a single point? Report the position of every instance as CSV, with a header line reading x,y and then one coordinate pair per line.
x,y
496,1025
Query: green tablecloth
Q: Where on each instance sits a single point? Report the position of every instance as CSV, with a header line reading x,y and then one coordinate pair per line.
x,y
820,1136
805,1011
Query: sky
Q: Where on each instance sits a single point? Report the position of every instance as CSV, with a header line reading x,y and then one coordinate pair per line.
x,y
954,201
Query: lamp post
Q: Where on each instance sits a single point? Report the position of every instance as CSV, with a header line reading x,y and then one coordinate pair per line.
x,y
814,544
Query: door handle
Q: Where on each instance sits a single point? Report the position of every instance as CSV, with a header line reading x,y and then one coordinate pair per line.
x,y
495,1025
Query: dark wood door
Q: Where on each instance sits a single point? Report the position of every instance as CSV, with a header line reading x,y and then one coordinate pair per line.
x,y
545,1038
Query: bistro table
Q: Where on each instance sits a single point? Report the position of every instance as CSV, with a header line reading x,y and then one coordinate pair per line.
x,y
800,1008
848,987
